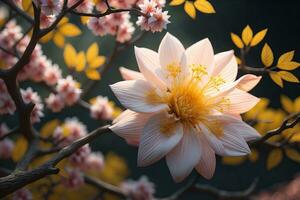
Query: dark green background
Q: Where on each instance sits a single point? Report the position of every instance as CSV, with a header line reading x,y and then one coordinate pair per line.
x,y
282,20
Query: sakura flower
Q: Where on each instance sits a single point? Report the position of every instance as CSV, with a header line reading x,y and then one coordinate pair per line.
x,y
97,26
95,161
22,194
186,107
142,189
52,74
7,105
85,7
51,7
55,102
101,109
68,89
125,32
29,96
79,158
6,148
46,20
74,178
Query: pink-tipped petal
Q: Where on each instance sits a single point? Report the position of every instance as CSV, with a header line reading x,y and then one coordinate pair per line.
x,y
128,74
239,102
207,165
129,125
148,63
201,53
185,156
154,144
248,82
133,95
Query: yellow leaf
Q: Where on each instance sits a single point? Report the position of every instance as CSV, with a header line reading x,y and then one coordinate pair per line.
x,y
286,57
69,30
49,127
190,9
288,76
233,160
70,56
80,61
237,40
92,74
267,56
274,158
26,4
287,104
97,62
84,19
47,37
247,35
92,52
19,148
276,78
59,39
288,65
63,21
258,37
204,6
176,2
292,154
253,157
297,104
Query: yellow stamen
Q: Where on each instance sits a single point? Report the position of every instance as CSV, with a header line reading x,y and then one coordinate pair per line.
x,y
173,70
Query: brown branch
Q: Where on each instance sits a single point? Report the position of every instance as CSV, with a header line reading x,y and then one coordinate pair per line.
x,y
20,178
11,132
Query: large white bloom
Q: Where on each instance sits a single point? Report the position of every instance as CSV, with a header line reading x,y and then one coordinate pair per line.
x,y
185,105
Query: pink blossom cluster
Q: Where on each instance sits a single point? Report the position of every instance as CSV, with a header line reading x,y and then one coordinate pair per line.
x,y
142,189
29,96
117,24
7,105
83,158
155,19
86,6
74,178
6,145
22,194
101,109
290,191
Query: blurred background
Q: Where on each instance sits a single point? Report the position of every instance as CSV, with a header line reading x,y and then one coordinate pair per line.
x,y
281,19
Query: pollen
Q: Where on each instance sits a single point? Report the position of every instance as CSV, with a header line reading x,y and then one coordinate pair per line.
x,y
187,103
173,70
198,71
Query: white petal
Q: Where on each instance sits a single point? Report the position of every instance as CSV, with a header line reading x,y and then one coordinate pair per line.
x,y
201,53
235,132
154,144
230,70
207,165
184,157
239,102
221,60
170,50
132,94
148,63
213,141
129,125
128,74
248,81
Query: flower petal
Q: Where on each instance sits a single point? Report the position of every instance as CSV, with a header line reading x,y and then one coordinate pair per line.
x,y
133,95
212,140
221,61
248,81
207,165
185,156
170,51
128,74
229,71
201,53
148,63
154,144
239,102
129,125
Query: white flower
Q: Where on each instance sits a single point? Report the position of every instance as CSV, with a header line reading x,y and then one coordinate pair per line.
x,y
186,107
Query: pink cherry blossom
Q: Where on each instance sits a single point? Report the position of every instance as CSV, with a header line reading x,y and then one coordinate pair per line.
x,y
52,74
29,96
22,194
74,178
68,89
55,102
142,189
184,107
94,161
101,109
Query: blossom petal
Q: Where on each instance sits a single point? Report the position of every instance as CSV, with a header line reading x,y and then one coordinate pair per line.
x,y
129,125
148,62
185,156
207,165
248,81
212,140
128,74
239,102
221,60
154,144
170,50
133,95
230,70
201,53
